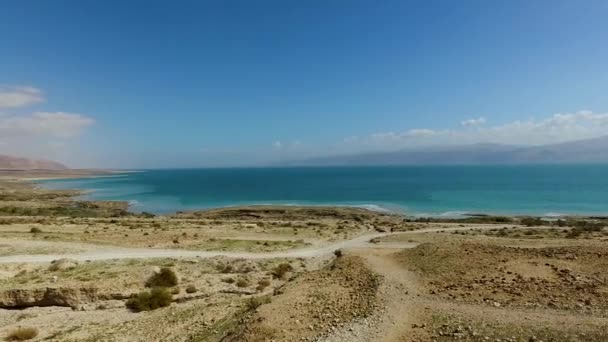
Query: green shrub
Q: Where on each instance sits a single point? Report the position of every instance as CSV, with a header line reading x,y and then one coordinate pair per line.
x,y
158,297
165,278
22,334
35,230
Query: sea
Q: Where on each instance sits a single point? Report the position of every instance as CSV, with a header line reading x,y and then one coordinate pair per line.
x,y
448,191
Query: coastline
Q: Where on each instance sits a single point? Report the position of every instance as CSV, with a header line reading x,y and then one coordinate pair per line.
x,y
72,177
41,175
34,176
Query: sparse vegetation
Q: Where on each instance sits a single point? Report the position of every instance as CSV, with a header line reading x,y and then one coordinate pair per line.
x,y
255,302
588,226
35,230
227,269
158,297
146,214
262,284
532,221
566,277
165,278
472,219
574,233
281,270
242,282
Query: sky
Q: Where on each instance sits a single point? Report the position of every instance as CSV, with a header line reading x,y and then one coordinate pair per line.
x,y
148,83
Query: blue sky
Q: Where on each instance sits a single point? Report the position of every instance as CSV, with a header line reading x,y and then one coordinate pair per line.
x,y
206,83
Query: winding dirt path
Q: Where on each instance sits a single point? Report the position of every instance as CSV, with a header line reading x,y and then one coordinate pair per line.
x,y
97,252
399,306
404,305
104,252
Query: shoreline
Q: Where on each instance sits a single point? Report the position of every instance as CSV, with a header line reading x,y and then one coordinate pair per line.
x,y
51,178
35,176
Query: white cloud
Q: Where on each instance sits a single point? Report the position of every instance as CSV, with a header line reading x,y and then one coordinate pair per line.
x,y
351,139
41,134
395,137
19,96
419,132
473,122
41,124
553,129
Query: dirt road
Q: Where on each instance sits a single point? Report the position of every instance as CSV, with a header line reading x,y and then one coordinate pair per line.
x,y
101,252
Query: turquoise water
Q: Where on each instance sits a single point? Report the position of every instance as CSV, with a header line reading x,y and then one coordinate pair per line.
x,y
415,190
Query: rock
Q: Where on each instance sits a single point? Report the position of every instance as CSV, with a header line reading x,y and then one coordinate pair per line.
x,y
70,297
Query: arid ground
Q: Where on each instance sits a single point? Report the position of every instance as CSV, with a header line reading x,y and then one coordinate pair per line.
x,y
73,270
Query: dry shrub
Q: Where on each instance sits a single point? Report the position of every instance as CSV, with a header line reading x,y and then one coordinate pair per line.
x,y
22,334
242,282
158,297
191,289
262,284
255,302
281,270
227,269
165,278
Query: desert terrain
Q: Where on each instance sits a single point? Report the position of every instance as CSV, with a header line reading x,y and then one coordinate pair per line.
x,y
76,270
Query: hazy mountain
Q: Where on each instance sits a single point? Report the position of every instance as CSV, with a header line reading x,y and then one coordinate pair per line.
x,y
582,151
17,163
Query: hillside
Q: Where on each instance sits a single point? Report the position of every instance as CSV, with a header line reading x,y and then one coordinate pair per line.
x,y
581,151
18,163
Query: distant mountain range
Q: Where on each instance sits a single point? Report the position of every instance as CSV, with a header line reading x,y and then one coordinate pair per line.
x,y
18,163
582,151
